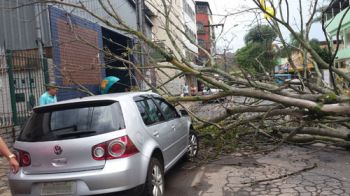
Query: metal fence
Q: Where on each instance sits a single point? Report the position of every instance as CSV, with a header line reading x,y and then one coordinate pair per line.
x,y
23,77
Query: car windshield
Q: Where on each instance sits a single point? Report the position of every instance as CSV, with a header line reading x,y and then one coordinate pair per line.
x,y
72,122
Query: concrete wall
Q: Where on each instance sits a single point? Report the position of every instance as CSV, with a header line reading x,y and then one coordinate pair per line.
x,y
174,87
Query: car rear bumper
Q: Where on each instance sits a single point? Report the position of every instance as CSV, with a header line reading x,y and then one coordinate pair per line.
x,y
117,175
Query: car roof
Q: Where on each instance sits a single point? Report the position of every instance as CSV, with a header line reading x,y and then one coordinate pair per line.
x,y
113,97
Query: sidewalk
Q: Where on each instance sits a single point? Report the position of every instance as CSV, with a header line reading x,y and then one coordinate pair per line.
x,y
3,178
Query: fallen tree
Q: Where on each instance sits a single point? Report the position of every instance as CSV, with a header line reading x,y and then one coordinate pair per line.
x,y
270,107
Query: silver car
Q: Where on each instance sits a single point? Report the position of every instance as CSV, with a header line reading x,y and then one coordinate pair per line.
x,y
102,144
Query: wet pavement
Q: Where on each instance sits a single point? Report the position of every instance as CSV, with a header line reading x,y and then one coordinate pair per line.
x,y
236,174
3,178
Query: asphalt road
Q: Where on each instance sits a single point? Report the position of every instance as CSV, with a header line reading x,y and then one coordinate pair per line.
x,y
236,174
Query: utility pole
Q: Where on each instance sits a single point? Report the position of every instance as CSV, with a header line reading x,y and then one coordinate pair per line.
x,y
140,9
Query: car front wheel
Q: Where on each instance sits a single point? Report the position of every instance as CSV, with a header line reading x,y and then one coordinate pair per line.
x,y
193,146
155,179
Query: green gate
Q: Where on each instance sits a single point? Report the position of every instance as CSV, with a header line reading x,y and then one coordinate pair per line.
x,y
27,76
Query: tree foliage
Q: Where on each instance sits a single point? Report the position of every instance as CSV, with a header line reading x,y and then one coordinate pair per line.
x,y
255,55
323,52
258,55
261,34
295,46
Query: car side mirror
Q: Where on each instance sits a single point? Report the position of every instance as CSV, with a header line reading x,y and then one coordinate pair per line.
x,y
184,113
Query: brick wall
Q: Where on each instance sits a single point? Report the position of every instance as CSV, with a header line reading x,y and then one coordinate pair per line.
x,y
75,54
204,19
79,62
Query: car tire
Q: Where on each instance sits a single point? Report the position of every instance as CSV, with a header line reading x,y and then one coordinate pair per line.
x,y
193,146
154,185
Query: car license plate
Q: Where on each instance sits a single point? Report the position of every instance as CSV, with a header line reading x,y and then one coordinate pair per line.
x,y
58,188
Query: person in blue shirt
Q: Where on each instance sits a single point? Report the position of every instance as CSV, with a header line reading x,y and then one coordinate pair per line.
x,y
49,96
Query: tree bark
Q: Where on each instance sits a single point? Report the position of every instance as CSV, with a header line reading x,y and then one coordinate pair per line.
x,y
345,135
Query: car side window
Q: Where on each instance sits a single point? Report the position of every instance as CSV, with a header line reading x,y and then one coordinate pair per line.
x,y
149,111
168,110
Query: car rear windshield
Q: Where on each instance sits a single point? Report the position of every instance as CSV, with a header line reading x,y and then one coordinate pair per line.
x,y
72,121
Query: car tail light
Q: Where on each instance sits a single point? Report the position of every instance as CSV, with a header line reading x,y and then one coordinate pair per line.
x,y
23,158
99,152
114,149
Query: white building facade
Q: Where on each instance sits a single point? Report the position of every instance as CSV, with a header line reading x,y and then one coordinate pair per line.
x,y
183,30
190,27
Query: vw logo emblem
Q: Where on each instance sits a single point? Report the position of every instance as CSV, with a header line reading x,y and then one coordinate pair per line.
x,y
58,150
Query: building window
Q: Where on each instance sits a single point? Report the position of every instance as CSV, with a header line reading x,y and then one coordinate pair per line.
x,y
156,55
190,34
341,65
188,10
201,9
200,28
201,43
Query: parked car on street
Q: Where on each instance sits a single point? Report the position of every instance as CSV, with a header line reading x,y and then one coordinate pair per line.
x,y
102,144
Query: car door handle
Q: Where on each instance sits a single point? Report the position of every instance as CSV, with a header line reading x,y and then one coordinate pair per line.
x,y
173,127
156,133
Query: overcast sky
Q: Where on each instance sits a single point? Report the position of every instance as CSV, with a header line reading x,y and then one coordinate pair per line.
x,y
237,26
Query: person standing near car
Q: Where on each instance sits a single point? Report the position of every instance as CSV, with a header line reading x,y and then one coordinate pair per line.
x,y
11,158
193,91
185,90
49,96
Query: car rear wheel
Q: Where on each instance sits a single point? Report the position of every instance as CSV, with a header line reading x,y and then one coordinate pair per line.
x,y
193,146
155,179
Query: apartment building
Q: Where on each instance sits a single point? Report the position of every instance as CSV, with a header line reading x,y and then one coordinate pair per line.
x,y
205,32
181,41
338,15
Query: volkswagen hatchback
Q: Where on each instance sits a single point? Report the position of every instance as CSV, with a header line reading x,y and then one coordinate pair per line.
x,y
102,144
